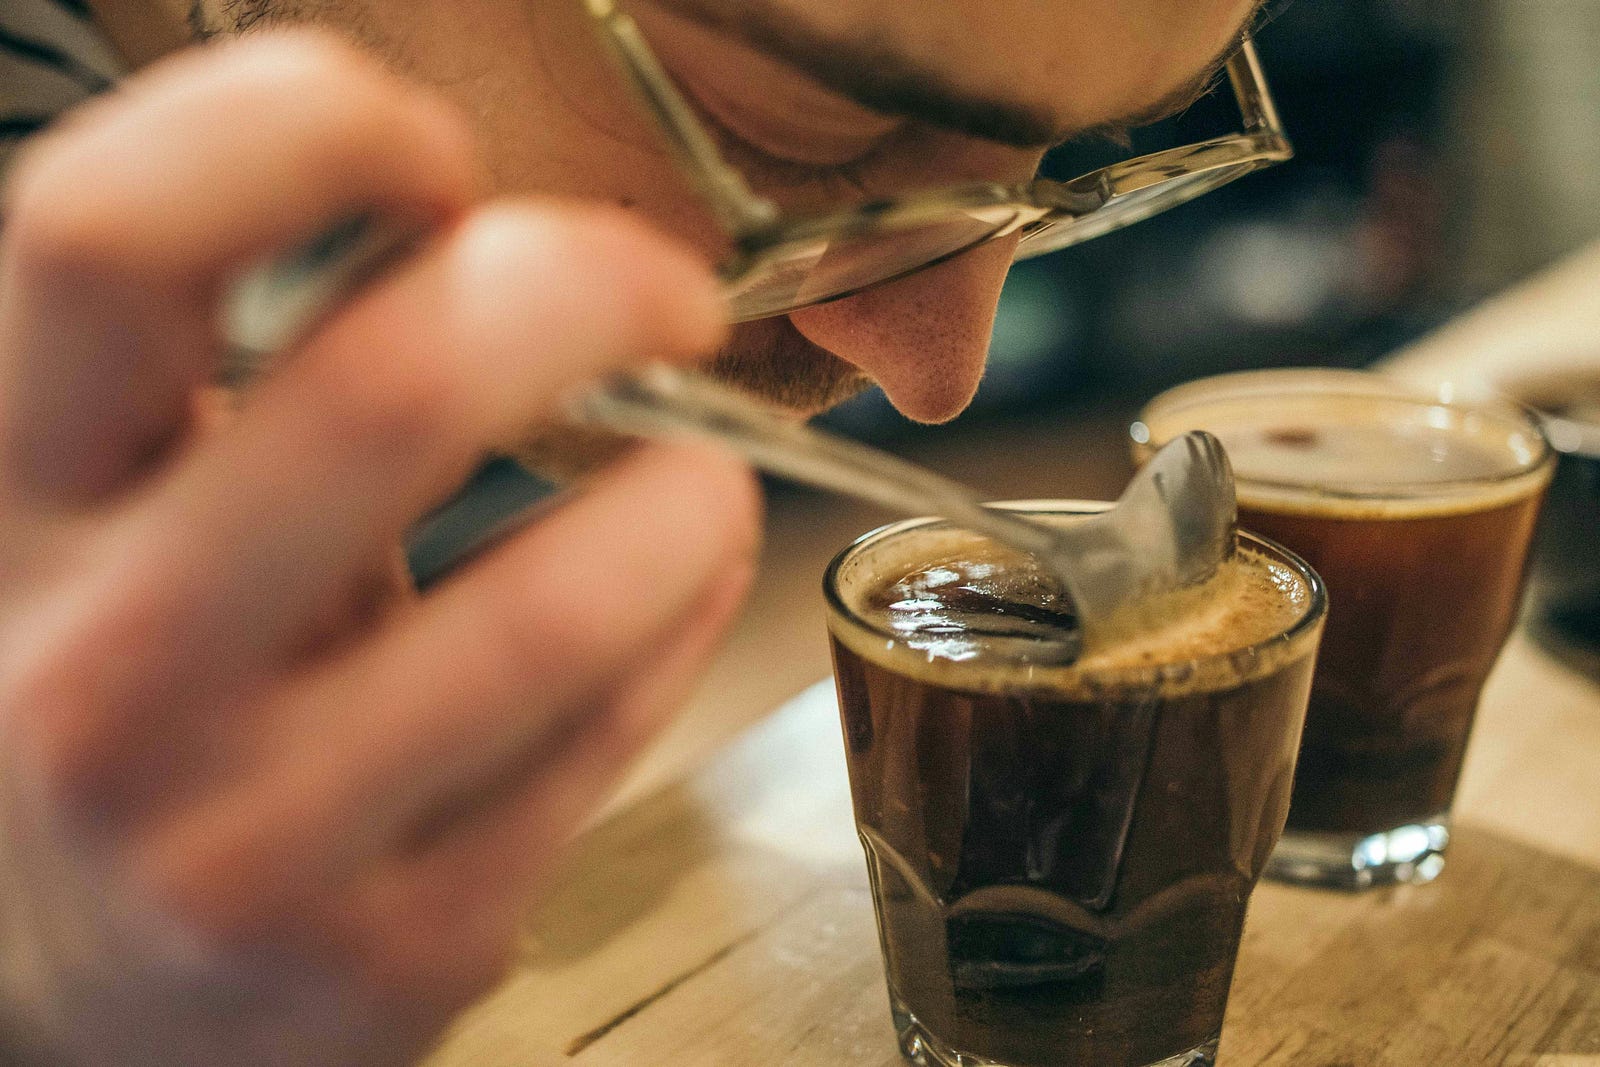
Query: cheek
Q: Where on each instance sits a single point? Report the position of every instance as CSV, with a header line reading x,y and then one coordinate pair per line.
x,y
1181,37
564,159
925,157
1101,60
553,119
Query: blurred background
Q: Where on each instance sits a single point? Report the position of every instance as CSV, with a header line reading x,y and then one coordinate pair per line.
x,y
1446,149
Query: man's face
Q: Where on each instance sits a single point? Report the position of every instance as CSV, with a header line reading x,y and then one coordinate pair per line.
x,y
820,103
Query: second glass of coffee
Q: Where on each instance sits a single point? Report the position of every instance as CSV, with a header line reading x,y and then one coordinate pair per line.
x,y
1418,514
1061,855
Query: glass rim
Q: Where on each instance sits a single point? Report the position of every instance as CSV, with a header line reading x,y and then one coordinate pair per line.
x,y
1287,382
1125,679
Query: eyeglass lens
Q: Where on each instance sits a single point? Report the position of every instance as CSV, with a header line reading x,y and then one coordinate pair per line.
x,y
800,271
1126,209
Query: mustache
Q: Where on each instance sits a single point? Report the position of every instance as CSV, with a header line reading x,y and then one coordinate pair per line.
x,y
768,358
774,361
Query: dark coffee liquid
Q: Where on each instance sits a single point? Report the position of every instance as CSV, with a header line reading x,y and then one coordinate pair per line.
x,y
1419,522
1061,873
1419,608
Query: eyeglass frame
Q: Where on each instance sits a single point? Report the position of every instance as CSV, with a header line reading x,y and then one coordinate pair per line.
x,y
758,228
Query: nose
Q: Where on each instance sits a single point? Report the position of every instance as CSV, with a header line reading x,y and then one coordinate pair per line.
x,y
924,338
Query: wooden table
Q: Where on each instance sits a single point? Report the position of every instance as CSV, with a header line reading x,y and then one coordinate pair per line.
x,y
725,920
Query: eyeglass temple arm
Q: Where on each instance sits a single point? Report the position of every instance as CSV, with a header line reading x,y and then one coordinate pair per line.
x,y
738,209
1249,88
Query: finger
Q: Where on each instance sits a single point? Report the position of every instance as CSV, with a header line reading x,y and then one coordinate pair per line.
x,y
441,922
498,662
218,158
232,563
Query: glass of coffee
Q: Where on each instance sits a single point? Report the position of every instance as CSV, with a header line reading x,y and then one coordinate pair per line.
x,y
1061,854
1418,513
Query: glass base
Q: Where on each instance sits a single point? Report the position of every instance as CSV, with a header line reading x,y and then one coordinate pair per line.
x,y
925,1050
1406,855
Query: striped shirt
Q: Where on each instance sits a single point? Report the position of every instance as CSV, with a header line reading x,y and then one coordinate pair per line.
x,y
51,57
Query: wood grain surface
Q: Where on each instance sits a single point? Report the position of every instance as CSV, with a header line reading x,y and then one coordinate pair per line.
x,y
725,920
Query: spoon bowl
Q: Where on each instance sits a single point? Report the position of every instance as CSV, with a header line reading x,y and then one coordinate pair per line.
x,y
1172,528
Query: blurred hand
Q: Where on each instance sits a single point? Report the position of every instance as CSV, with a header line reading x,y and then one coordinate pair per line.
x,y
257,803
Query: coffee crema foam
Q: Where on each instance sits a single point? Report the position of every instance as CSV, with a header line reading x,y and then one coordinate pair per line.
x,y
965,612
1365,457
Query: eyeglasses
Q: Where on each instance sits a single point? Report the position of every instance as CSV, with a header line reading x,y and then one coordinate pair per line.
x,y
782,263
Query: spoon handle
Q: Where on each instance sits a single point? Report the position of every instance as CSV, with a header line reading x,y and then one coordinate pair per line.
x,y
276,304
662,401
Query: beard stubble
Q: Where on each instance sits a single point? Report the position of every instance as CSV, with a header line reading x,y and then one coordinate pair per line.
x,y
769,359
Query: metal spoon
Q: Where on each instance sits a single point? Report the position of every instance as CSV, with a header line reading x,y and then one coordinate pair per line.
x,y
1173,527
